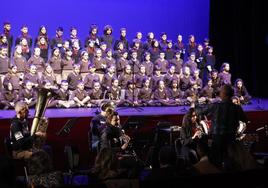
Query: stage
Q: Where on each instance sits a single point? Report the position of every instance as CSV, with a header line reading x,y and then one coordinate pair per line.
x,y
146,117
257,105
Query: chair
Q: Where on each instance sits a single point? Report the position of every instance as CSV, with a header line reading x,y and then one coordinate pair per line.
x,y
162,129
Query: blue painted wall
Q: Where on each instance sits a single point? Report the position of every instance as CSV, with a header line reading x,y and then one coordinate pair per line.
x,y
173,16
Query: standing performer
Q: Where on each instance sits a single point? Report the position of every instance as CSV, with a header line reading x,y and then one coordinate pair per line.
x,y
57,41
225,116
123,39
24,35
107,36
179,46
9,36
225,75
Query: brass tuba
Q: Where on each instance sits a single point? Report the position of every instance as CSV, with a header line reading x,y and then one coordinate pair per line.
x,y
44,95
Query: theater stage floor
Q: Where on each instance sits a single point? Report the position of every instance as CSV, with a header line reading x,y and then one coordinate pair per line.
x,y
257,105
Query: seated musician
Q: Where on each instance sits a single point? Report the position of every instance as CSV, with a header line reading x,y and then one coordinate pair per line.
x,y
21,139
98,124
113,136
191,132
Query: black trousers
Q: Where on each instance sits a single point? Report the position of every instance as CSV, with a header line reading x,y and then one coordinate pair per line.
x,y
219,148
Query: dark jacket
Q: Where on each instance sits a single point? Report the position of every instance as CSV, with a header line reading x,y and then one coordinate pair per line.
x,y
225,116
20,134
110,137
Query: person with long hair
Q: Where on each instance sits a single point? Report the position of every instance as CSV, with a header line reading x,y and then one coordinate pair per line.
x,y
191,132
26,50
50,76
8,97
13,78
154,50
125,77
42,42
175,93
107,36
241,92
108,77
225,75
109,57
191,46
180,47
55,62
93,36
4,63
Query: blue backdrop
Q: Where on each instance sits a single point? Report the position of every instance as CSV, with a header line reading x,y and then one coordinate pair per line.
x,y
174,16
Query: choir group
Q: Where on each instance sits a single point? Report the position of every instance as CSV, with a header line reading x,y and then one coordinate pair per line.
x,y
130,73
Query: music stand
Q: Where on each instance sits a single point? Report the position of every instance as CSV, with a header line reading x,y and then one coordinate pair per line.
x,y
66,129
133,123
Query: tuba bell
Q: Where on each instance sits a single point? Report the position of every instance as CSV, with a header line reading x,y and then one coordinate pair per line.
x,y
44,95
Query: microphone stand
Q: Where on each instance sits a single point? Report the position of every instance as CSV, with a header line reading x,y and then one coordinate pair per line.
x,y
137,108
259,107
